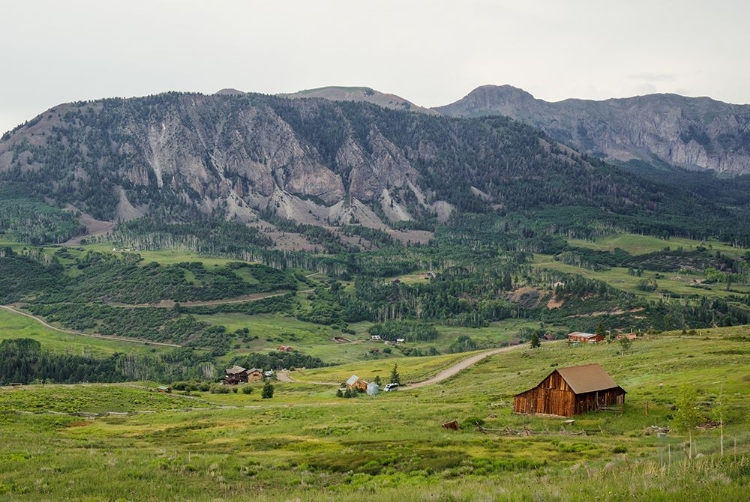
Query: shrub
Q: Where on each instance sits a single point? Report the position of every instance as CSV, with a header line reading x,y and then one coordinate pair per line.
x,y
246,389
472,423
267,390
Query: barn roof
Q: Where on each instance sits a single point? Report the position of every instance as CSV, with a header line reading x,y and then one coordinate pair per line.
x,y
234,370
352,380
588,378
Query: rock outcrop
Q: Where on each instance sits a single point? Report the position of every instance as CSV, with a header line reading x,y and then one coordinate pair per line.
x,y
693,133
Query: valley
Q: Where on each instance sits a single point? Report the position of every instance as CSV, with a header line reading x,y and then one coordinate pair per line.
x,y
148,245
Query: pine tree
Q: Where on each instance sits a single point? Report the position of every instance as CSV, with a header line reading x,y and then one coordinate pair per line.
x,y
395,377
535,343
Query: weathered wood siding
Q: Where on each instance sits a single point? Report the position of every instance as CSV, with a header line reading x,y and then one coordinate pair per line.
x,y
555,397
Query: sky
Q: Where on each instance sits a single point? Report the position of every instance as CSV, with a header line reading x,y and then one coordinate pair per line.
x,y
431,52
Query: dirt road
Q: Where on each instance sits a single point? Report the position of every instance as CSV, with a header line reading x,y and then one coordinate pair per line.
x,y
462,365
283,375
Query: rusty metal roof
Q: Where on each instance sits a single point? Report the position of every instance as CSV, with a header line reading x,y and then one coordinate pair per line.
x,y
588,378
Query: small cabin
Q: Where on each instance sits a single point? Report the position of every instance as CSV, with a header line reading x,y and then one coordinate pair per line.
x,y
372,389
356,383
571,391
254,375
585,337
284,348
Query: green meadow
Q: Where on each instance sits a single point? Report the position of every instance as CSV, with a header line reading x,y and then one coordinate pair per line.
x,y
642,244
306,444
683,283
15,325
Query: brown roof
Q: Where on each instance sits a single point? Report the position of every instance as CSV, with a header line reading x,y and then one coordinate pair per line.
x,y
235,370
588,378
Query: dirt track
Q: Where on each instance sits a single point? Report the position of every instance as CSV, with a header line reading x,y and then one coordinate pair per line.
x,y
462,365
283,376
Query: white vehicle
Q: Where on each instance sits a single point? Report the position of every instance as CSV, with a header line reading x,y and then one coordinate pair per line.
x,y
390,387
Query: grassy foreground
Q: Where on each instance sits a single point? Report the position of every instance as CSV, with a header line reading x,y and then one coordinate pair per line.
x,y
306,444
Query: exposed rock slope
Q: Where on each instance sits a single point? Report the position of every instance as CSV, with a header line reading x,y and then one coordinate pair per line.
x,y
694,133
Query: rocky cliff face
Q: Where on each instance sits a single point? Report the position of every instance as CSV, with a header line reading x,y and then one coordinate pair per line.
x,y
694,133
247,157
231,155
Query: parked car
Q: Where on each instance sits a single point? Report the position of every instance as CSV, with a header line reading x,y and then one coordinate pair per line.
x,y
389,387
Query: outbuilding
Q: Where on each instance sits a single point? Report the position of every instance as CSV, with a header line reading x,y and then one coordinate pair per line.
x,y
585,337
356,383
571,391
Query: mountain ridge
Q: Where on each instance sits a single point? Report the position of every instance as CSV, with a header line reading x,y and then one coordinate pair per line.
x,y
241,156
693,133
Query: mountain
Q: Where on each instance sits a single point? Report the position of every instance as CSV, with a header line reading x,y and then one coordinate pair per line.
x,y
692,133
246,157
362,94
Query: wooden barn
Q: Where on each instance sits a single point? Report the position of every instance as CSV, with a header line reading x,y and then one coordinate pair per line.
x,y
571,391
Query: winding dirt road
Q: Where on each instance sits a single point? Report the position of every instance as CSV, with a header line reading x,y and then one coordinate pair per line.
x,y
283,375
462,365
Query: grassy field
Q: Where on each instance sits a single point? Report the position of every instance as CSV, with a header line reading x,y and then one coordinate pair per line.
x,y
643,244
15,325
306,444
164,256
273,330
411,369
618,277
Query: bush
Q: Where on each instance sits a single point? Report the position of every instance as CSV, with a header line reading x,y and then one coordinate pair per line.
x,y
267,390
218,388
472,423
246,389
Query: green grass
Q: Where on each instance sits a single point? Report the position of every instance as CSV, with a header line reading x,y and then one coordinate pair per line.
x,y
411,369
164,257
273,330
306,444
618,277
15,325
643,244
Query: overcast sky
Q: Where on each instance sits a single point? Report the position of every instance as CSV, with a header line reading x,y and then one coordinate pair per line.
x,y
431,52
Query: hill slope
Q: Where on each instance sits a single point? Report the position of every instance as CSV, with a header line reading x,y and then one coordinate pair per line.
x,y
694,133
